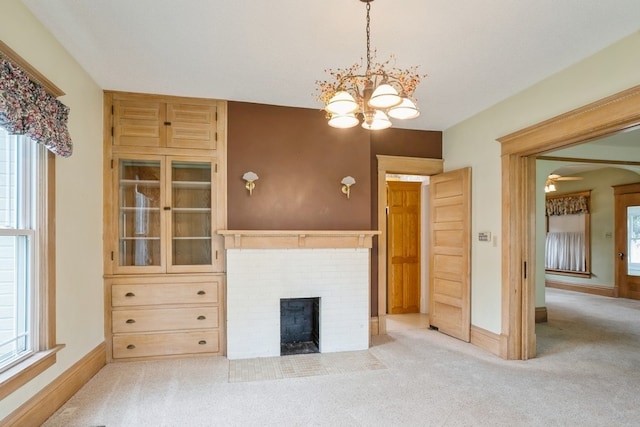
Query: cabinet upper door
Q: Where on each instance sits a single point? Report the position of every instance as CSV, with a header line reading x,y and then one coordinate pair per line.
x,y
138,218
150,123
191,228
164,215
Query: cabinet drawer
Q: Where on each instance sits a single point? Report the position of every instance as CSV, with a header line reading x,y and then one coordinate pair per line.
x,y
193,342
164,319
123,295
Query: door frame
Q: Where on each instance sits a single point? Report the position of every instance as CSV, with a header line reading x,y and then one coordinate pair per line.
x,y
399,165
519,150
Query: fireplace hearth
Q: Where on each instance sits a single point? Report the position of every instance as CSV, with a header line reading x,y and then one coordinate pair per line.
x,y
299,326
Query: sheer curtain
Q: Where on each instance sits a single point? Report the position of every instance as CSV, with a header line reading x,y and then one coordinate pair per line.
x,y
565,251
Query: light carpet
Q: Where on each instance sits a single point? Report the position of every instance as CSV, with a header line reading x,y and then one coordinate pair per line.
x,y
586,374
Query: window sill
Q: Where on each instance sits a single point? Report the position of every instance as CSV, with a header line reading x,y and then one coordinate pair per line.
x,y
19,375
584,274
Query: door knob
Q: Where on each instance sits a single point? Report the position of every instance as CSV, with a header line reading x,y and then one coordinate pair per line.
x,y
621,255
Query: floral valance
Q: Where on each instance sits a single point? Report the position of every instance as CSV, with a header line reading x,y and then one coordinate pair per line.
x,y
27,109
569,205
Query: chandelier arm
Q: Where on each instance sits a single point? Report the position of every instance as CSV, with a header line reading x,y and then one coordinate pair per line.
x,y
368,37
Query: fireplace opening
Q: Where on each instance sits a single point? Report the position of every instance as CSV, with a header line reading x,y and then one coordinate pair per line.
x,y
299,326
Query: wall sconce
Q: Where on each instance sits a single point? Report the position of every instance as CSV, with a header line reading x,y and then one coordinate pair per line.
x,y
250,177
347,182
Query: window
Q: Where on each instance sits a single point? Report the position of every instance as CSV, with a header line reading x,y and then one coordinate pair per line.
x,y
19,241
568,248
27,279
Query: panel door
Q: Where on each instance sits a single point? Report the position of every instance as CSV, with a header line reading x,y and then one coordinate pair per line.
x,y
450,253
627,241
403,249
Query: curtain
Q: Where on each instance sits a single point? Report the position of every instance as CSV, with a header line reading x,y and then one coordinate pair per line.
x,y
565,251
569,205
27,109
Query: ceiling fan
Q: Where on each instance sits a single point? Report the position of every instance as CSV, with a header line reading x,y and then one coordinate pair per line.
x,y
550,185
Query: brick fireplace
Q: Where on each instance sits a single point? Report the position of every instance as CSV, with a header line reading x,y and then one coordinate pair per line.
x,y
264,267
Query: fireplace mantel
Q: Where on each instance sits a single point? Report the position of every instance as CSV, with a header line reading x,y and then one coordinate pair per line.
x,y
297,239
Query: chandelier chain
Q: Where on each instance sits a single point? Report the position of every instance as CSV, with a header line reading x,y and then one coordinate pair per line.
x,y
368,38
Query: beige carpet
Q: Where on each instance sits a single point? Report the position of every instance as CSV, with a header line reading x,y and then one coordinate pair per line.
x,y
587,374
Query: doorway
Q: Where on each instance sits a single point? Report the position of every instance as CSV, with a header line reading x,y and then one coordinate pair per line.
x,y
519,150
403,166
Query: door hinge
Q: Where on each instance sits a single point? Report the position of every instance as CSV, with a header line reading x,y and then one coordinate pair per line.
x,y
216,116
525,269
112,132
111,255
216,136
216,255
111,163
112,110
215,168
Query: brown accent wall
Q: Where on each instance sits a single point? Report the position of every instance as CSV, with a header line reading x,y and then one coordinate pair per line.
x,y
300,161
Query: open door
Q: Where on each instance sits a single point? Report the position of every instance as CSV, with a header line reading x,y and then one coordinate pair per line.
x,y
450,249
627,240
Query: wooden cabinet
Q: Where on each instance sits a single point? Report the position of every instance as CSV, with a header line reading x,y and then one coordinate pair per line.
x,y
161,316
164,201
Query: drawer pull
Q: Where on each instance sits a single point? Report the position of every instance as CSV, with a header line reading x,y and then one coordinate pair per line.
x,y
202,317
131,321
129,294
201,292
203,342
131,347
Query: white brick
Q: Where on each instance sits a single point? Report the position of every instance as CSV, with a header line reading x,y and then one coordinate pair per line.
x,y
258,278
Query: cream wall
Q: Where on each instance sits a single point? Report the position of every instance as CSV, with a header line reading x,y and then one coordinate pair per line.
x,y
602,221
473,143
78,197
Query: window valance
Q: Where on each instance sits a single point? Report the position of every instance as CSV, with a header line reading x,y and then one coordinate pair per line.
x,y
26,108
569,205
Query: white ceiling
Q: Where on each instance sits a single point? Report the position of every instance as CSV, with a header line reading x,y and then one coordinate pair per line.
x,y
476,53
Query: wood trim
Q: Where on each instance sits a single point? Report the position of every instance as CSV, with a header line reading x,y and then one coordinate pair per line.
x,y
17,376
486,340
596,161
604,291
374,326
626,189
609,115
47,401
401,165
297,239
541,314
606,116
33,74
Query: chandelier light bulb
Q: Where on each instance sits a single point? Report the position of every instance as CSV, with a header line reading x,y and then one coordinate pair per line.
x,y
405,110
342,103
376,120
384,96
343,121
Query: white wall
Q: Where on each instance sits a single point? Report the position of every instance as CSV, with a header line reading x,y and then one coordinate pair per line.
x,y
78,197
473,143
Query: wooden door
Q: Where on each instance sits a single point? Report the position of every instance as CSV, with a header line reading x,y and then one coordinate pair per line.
x,y
627,242
450,253
403,247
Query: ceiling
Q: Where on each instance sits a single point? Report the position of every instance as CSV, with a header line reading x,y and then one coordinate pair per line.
x,y
475,53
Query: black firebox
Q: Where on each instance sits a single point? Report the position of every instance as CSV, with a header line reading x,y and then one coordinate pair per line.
x,y
299,326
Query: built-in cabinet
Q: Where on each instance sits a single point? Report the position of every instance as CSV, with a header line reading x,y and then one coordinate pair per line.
x,y
164,202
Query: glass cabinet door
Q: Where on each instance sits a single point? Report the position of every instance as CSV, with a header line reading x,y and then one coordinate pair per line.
x,y
191,214
139,214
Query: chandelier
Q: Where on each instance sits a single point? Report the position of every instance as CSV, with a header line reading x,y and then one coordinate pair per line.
x,y
379,93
